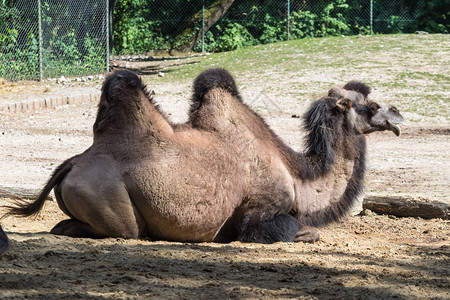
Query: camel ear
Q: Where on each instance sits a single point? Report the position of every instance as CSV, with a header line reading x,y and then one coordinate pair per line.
x,y
344,104
374,107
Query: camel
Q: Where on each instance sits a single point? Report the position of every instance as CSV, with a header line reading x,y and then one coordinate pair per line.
x,y
145,177
4,243
323,182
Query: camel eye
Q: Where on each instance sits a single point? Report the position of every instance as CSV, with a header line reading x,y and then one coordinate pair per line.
x,y
374,107
394,109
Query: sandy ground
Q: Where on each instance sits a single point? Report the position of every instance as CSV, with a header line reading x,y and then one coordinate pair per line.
x,y
363,257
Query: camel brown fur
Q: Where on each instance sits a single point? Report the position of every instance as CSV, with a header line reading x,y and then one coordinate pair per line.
x,y
323,182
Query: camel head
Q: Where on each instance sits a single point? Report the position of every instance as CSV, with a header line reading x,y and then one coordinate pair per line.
x,y
370,116
380,118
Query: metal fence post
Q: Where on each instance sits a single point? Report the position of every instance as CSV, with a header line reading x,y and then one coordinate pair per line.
x,y
371,17
107,34
203,27
41,70
288,19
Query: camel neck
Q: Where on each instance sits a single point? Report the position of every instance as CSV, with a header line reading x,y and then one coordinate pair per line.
x,y
329,197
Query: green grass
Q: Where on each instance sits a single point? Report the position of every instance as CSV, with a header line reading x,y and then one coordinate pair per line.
x,y
411,71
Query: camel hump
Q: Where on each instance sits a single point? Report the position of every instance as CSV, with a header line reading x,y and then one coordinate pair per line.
x,y
214,78
120,82
359,87
127,76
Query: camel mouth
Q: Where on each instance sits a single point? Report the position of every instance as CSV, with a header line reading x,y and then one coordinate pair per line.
x,y
393,127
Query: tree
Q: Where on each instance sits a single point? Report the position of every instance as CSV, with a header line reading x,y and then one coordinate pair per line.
x,y
192,33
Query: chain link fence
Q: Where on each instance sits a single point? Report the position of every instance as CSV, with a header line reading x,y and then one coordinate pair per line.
x,y
49,38
159,26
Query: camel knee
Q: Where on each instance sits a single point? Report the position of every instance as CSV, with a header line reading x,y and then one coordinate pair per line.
x,y
280,228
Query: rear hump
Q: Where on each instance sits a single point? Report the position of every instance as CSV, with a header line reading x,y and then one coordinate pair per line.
x,y
209,79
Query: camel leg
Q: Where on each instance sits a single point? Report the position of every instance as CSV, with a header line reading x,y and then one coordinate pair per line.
x,y
76,229
307,234
4,243
280,228
98,208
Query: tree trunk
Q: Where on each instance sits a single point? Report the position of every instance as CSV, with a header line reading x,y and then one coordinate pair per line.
x,y
186,40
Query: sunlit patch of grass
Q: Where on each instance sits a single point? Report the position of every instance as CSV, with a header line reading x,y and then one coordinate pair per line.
x,y
431,105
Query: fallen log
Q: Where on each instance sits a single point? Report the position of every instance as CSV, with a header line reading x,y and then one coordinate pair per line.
x,y
19,193
406,207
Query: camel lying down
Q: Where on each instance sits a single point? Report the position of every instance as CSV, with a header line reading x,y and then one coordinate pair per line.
x,y
222,176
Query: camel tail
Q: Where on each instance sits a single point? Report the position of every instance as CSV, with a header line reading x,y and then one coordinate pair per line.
x,y
213,78
4,242
24,209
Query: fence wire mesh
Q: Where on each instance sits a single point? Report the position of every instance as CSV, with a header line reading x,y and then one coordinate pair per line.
x,y
152,25
50,38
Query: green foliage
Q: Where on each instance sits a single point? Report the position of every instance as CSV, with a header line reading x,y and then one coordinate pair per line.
x,y
435,17
65,47
234,36
332,20
134,31
303,24
139,36
19,60
67,57
210,43
66,50
273,30
396,25
148,25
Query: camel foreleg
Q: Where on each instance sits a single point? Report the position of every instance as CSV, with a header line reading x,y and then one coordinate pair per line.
x,y
307,234
280,228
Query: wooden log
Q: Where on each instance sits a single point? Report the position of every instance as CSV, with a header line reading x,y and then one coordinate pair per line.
x,y
18,193
406,207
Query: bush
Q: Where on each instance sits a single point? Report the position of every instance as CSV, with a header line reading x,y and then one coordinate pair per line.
x,y
234,36
19,61
303,24
273,30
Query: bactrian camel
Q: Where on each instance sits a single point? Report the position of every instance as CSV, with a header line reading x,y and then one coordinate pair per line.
x,y
219,177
